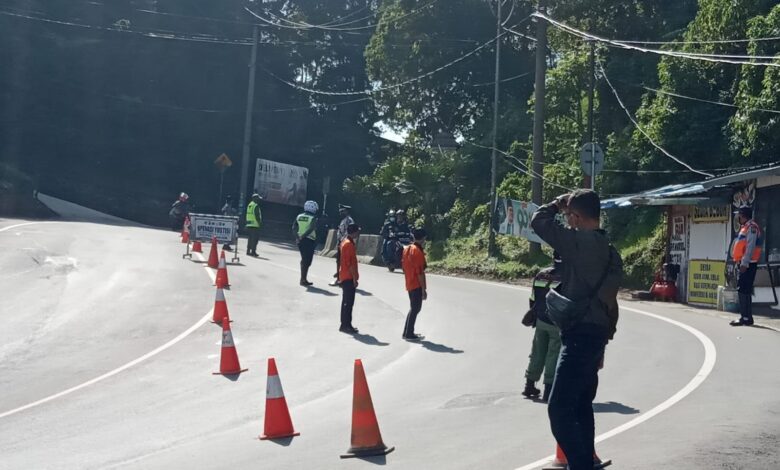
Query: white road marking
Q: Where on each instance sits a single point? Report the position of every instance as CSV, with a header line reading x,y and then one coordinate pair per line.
x,y
23,225
119,369
710,356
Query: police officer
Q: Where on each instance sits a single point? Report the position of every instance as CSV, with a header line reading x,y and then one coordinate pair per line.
x,y
305,230
547,338
253,220
346,221
746,251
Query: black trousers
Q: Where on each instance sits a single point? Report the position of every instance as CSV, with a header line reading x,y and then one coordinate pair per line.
x,y
254,236
347,302
306,247
571,402
745,290
415,305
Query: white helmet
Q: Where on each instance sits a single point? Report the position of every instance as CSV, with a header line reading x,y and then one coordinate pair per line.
x,y
311,207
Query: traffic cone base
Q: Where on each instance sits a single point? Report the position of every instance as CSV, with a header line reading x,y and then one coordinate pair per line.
x,y
278,424
351,454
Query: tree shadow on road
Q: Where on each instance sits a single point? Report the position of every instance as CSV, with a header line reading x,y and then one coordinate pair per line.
x,y
614,407
369,340
317,290
440,348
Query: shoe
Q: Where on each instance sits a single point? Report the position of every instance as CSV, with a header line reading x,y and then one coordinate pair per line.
x,y
530,390
335,284
413,337
306,283
227,248
348,329
741,322
546,393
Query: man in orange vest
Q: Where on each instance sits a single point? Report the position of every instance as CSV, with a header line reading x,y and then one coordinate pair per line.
x,y
348,278
746,252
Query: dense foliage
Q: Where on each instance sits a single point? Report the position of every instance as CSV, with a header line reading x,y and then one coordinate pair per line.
x,y
130,102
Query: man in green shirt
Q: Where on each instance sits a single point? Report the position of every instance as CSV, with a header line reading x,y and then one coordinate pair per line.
x,y
253,220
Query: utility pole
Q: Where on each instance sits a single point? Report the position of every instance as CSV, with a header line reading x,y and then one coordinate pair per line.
x,y
250,102
491,233
539,105
590,181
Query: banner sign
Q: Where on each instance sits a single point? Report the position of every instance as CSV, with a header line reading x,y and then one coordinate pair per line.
x,y
709,214
514,218
281,183
205,226
704,277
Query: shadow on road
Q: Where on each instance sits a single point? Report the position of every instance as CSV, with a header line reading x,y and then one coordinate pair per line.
x,y
440,348
317,290
364,293
284,442
231,377
614,407
369,340
376,460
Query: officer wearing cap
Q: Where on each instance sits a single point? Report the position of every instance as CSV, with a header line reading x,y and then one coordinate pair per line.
x,y
346,221
746,251
253,219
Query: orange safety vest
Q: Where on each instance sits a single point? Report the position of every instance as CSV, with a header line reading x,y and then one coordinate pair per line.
x,y
740,244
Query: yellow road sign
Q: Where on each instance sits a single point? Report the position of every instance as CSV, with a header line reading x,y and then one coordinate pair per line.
x,y
223,161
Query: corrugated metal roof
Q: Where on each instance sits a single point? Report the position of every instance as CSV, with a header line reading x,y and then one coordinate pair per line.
x,y
708,191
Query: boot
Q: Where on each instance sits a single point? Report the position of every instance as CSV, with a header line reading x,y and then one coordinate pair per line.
x,y
546,394
530,390
304,275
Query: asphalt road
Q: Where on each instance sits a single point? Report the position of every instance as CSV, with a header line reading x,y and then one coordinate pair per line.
x,y
106,361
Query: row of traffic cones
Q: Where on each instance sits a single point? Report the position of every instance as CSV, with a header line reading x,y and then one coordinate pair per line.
x,y
366,439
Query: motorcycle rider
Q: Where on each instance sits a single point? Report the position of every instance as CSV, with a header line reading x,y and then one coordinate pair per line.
x,y
402,223
180,210
388,229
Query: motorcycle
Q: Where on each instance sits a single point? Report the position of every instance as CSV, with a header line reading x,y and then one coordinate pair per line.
x,y
393,249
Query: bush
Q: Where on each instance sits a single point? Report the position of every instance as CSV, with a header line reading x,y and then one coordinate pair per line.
x,y
642,259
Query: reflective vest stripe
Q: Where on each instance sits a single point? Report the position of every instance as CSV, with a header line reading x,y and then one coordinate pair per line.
x,y
273,387
304,222
251,220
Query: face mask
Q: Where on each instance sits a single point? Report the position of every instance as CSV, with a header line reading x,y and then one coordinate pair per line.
x,y
392,219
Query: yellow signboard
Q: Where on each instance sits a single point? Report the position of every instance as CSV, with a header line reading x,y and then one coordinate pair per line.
x,y
704,277
709,214
223,161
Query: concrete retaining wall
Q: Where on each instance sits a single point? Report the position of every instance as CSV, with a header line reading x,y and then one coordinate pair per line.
x,y
369,249
331,243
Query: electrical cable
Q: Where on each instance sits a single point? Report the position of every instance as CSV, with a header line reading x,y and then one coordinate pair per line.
x,y
305,26
509,79
640,129
382,88
719,103
716,58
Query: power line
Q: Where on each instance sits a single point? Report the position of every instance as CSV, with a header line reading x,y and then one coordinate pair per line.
x,y
525,169
388,87
715,41
509,79
305,26
716,58
640,129
719,103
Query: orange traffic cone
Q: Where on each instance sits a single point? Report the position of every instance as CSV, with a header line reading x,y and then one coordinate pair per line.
x,y
222,275
220,308
561,463
366,439
278,424
197,247
185,231
228,360
213,260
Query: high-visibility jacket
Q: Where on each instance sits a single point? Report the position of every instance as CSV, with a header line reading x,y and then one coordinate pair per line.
x,y
304,221
252,221
741,242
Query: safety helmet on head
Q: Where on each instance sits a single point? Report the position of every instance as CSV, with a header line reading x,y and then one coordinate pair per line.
x,y
400,212
311,207
391,213
183,196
